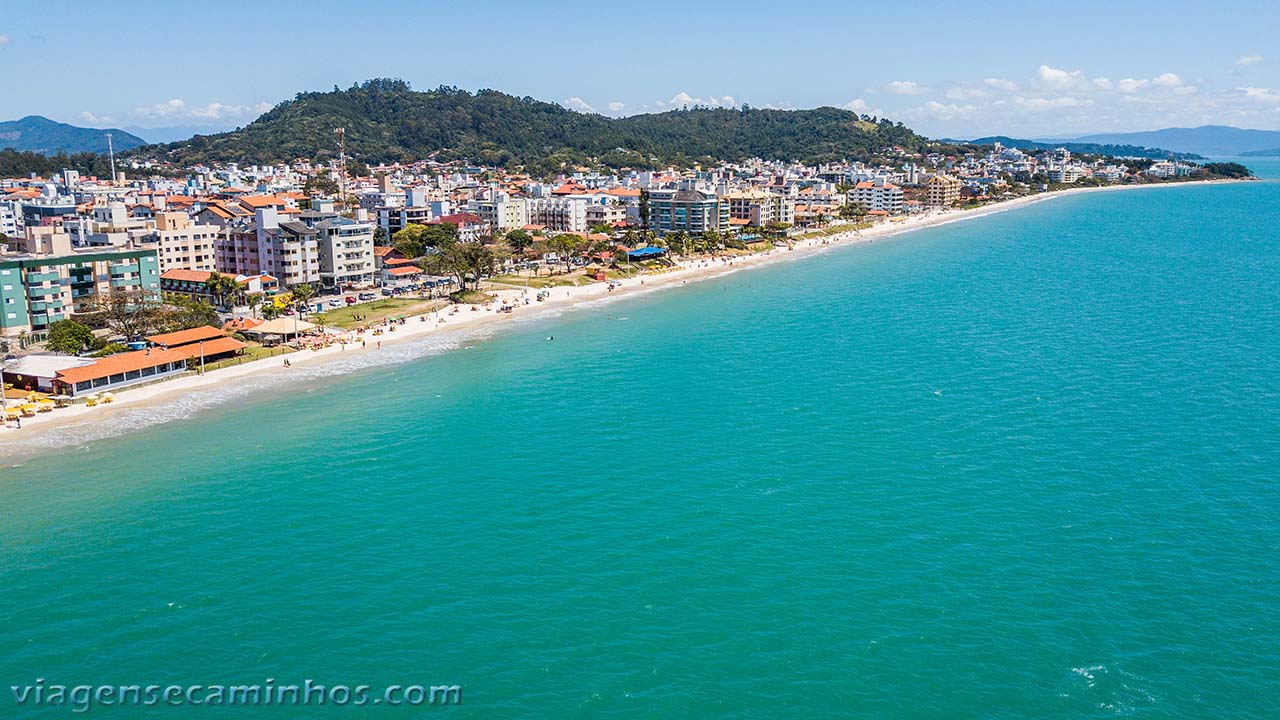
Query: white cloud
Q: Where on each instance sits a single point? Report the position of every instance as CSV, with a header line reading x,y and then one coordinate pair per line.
x,y
1102,83
1167,80
1001,84
1039,104
1262,94
1252,59
684,99
944,111
577,103
169,108
4,40
904,87
617,107
1129,85
1060,79
177,109
862,107
964,91
96,119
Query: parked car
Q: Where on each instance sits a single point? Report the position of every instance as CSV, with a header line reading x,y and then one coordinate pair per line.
x,y
351,299
367,296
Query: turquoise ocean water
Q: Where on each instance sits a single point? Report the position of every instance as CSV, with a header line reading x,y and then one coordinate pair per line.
x,y
1024,466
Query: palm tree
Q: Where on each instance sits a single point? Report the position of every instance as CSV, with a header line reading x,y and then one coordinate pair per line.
x,y
301,294
254,301
221,287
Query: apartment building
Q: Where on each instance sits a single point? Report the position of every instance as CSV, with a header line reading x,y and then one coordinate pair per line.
x,y
286,250
344,246
760,207
688,208
184,245
942,190
559,214
878,195
501,213
53,281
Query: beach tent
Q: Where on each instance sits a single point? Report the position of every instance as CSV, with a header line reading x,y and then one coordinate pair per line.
x,y
284,326
645,252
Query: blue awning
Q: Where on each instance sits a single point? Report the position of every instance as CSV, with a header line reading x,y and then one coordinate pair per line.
x,y
644,252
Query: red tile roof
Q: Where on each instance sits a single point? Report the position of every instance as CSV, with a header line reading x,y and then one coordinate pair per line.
x,y
460,218
196,276
183,337
122,363
403,271
217,346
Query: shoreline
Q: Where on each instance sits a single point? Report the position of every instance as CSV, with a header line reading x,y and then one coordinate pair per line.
x,y
39,434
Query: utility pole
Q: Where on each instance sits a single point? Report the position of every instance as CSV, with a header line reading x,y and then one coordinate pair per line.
x,y
112,153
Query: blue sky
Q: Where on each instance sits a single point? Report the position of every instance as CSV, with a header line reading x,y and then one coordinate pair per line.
x,y
946,69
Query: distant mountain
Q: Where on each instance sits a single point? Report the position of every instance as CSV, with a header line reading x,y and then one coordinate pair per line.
x,y
1091,148
385,120
175,133
34,133
1273,152
1203,140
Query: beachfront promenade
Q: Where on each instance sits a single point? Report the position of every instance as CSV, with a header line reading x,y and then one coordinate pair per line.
x,y
333,343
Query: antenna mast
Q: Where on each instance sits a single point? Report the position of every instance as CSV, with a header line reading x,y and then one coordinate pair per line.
x,y
112,153
342,164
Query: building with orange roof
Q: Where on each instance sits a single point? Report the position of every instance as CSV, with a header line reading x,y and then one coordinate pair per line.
x,y
185,337
117,371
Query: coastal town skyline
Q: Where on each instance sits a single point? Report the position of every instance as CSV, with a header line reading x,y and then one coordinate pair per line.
x,y
998,76
630,360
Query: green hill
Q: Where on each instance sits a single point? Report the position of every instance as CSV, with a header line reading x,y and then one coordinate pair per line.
x,y
1113,150
387,121
35,133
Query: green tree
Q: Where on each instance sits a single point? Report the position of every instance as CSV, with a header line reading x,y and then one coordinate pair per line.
x,y
853,210
321,184
566,245
301,294
131,313
409,240
223,288
440,236
379,235
519,240
69,337
468,262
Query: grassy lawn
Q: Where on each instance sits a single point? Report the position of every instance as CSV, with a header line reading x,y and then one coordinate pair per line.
x,y
251,353
471,297
378,310
574,279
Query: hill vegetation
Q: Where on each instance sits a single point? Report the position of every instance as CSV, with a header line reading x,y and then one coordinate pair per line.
x,y
1134,151
21,164
385,120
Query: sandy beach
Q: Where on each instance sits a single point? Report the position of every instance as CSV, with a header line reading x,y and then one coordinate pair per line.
x,y
41,432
